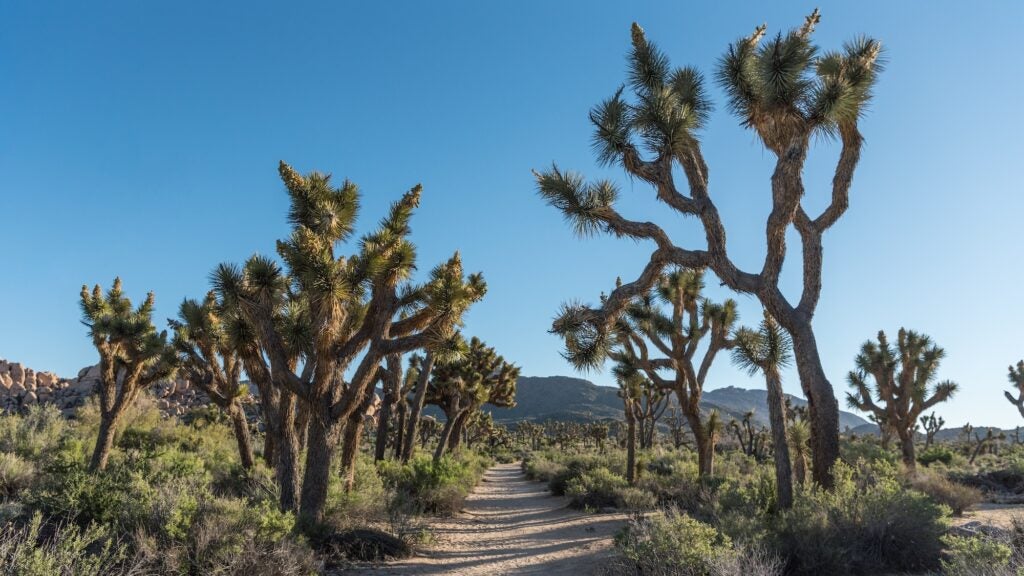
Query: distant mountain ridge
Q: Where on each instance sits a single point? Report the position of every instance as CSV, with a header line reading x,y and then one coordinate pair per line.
x,y
541,398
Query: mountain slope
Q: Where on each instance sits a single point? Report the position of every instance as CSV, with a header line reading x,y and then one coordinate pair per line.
x,y
567,398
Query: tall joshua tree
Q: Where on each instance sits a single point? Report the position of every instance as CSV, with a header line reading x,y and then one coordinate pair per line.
x,y
637,393
787,92
461,387
133,356
360,309
209,361
904,384
651,339
767,350
1016,377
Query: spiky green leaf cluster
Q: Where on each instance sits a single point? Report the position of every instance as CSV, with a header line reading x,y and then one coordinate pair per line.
x,y
783,87
769,348
124,333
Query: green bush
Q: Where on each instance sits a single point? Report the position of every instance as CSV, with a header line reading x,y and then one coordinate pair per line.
x,y
595,489
673,543
67,550
936,454
32,434
868,524
974,556
434,487
16,474
953,494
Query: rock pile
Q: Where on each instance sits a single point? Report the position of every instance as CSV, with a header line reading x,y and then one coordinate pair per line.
x,y
22,387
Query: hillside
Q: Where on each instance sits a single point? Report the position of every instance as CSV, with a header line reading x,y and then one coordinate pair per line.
x,y
567,398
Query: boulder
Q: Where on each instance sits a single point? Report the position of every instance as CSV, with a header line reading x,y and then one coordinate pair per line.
x,y
17,373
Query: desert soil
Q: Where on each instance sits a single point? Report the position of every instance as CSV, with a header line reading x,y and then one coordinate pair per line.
x,y
1000,515
511,525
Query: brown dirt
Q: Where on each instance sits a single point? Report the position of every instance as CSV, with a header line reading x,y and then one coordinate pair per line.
x,y
511,525
999,515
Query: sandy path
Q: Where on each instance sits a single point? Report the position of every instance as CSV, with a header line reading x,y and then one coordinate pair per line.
x,y
511,525
998,515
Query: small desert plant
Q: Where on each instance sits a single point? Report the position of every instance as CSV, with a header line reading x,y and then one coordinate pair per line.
x,y
597,488
953,494
67,550
16,474
976,556
673,543
936,454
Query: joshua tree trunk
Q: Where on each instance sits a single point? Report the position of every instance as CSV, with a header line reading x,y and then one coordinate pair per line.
x,y
458,431
400,427
800,469
777,415
109,421
417,407
446,432
822,407
392,384
320,444
287,447
241,428
383,423
352,437
630,450
704,444
907,449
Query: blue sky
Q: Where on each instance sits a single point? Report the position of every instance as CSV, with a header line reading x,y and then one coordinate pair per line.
x,y
142,139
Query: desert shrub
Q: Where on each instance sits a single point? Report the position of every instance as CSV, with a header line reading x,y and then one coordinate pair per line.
x,y
673,543
635,499
576,466
868,524
542,469
867,448
66,550
31,434
367,501
230,536
936,454
434,487
597,488
953,494
16,474
975,556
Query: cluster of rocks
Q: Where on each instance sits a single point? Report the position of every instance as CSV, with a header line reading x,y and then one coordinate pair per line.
x,y
22,387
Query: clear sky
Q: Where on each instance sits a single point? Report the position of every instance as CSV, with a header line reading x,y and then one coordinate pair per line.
x,y
141,139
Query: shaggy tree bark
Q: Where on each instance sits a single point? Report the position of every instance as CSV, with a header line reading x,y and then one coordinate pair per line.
x,y
392,388
786,94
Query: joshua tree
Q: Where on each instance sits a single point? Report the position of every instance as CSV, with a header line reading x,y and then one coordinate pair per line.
x,y
768,350
981,442
636,392
904,384
799,438
1016,377
461,387
931,424
133,356
751,440
209,361
787,92
644,330
359,310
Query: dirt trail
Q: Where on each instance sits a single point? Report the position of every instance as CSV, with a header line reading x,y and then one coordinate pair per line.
x,y
511,525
